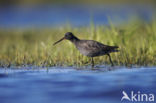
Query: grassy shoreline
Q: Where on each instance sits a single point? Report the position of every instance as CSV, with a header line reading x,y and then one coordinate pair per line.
x,y
136,41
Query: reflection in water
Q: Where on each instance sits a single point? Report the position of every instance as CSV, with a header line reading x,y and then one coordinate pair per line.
x,y
73,85
3,75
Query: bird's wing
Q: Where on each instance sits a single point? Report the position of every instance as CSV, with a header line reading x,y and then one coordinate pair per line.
x,y
94,45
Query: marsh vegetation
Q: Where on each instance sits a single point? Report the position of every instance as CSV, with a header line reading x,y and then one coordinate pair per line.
x,y
135,39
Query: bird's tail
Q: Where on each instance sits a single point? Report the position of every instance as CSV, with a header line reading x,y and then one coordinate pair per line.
x,y
115,49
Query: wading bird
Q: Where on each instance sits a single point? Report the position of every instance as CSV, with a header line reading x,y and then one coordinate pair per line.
x,y
90,48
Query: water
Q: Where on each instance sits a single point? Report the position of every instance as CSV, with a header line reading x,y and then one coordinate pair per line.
x,y
74,85
77,15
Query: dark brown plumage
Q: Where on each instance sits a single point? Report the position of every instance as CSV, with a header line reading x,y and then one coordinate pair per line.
x,y
90,48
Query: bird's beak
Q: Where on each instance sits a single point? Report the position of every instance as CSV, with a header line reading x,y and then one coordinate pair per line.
x,y
59,41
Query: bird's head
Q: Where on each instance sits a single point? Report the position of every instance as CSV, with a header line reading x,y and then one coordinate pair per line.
x,y
67,36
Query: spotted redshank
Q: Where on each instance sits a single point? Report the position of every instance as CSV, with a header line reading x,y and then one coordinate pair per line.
x,y
90,48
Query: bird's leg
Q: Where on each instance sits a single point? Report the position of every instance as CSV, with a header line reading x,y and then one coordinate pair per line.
x,y
110,59
92,60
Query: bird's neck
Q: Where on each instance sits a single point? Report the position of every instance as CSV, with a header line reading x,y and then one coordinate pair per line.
x,y
75,40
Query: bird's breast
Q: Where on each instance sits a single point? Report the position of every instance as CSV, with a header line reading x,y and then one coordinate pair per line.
x,y
83,51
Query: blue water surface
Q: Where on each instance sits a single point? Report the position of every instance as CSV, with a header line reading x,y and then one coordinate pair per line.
x,y
77,15
74,85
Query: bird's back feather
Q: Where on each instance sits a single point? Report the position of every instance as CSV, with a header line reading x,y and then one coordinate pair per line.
x,y
93,48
